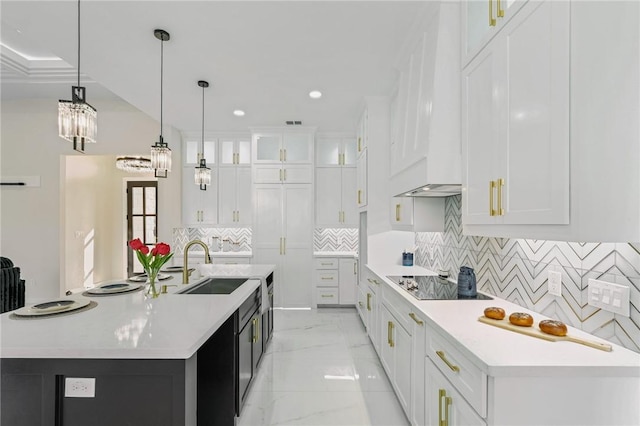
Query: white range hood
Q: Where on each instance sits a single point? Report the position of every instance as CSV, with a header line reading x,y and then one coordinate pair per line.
x,y
425,155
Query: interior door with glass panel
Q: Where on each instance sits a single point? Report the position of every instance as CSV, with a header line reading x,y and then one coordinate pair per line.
x,y
142,218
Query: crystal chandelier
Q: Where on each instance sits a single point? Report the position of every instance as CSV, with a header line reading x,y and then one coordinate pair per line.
x,y
134,164
160,152
203,173
77,120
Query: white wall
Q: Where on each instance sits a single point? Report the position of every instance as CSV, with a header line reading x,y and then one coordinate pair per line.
x,y
33,228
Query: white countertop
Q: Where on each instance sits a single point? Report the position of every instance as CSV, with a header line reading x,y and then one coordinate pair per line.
x,y
130,326
335,254
500,352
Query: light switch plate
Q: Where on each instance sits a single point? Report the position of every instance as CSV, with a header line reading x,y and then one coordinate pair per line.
x,y
554,279
608,296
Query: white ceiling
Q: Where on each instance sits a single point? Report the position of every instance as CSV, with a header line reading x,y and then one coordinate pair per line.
x,y
262,57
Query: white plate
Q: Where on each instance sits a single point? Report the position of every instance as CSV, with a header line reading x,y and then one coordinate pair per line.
x,y
142,278
118,287
56,306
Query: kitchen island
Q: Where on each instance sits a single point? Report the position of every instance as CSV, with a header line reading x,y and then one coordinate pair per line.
x,y
150,357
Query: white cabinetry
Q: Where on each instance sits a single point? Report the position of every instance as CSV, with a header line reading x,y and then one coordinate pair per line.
x,y
335,281
401,213
199,208
336,197
235,196
444,405
482,20
283,235
336,151
516,121
361,181
395,355
236,150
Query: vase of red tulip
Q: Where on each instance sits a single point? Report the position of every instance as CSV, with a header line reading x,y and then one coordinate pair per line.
x,y
151,260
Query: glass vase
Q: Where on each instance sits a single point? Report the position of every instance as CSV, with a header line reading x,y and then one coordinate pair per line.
x,y
151,284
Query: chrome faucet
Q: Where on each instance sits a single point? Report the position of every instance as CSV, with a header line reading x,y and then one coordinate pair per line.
x,y
207,258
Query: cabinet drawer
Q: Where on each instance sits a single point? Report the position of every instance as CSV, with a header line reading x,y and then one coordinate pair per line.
x,y
465,376
231,260
326,278
398,307
325,263
327,296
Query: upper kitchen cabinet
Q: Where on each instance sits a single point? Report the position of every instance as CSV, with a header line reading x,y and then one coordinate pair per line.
x,y
424,146
235,196
336,182
336,151
551,125
235,151
482,19
199,208
283,146
516,121
192,146
283,155
362,136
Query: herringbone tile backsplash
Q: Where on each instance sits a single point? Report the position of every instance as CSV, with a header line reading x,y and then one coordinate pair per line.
x,y
335,239
212,237
516,270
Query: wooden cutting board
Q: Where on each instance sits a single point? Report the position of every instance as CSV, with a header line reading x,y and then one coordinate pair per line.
x,y
534,331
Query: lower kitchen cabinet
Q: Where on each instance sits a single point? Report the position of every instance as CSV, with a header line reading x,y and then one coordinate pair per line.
x,y
249,346
373,312
267,315
361,305
444,405
335,281
395,355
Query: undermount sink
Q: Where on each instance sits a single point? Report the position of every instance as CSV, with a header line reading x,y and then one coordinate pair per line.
x,y
216,286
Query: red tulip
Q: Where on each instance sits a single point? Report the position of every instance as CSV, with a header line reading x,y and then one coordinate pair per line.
x,y
144,250
162,249
136,244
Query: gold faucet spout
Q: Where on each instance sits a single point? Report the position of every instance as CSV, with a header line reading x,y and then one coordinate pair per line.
x,y
207,258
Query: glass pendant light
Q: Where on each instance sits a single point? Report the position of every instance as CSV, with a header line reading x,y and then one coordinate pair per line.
x,y
134,164
160,152
203,173
77,120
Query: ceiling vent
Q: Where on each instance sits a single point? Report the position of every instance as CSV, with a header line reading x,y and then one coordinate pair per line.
x,y
293,123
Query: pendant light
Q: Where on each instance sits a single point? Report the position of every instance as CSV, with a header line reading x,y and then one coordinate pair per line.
x,y
77,120
203,173
134,164
160,152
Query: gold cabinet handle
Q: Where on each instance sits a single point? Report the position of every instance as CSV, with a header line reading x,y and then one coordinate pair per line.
x,y
355,268
368,301
376,282
492,20
500,183
254,323
442,395
281,155
492,186
415,318
390,333
280,175
285,154
327,278
284,245
359,193
326,264
500,10
361,304
397,212
446,361
327,295
281,246
359,146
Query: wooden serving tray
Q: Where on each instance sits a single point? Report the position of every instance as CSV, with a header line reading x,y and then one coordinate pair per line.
x,y
535,331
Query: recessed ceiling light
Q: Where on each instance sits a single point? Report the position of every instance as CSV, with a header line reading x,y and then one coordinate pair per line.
x,y
426,188
315,94
238,113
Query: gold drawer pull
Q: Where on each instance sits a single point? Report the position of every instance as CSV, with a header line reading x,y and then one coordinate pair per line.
x,y
500,183
442,394
327,295
326,264
327,278
500,10
415,318
376,282
368,301
359,193
492,20
446,361
397,212
492,186
390,334
361,304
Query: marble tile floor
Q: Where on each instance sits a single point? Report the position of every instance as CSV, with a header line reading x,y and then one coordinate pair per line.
x,y
320,369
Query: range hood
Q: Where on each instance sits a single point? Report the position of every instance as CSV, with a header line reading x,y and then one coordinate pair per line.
x,y
434,190
426,154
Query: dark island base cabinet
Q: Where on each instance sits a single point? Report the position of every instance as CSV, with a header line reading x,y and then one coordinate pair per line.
x,y
249,346
267,316
145,392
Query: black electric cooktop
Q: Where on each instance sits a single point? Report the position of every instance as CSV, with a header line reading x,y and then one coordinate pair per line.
x,y
430,287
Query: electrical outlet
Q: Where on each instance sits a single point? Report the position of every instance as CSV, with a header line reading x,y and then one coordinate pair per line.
x,y
79,387
554,280
608,296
